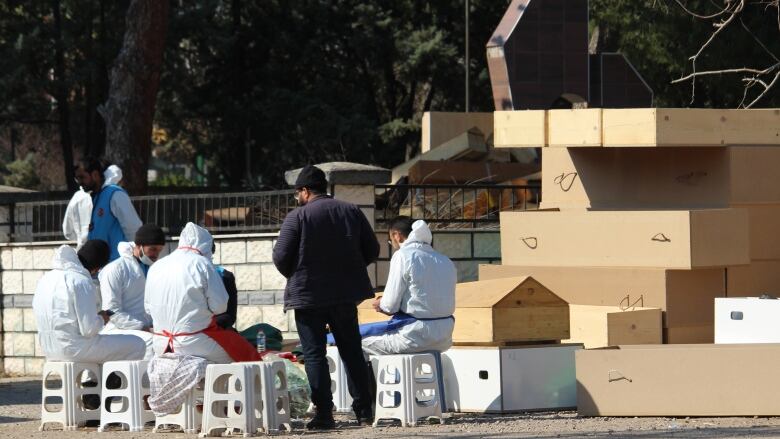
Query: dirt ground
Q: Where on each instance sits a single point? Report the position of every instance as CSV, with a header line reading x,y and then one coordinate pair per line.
x,y
20,410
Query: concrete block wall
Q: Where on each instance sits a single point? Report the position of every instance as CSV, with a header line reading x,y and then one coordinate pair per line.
x,y
260,297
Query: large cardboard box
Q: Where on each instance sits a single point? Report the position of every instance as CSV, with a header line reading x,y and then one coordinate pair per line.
x,y
764,237
679,380
686,296
664,239
439,127
599,326
509,379
508,310
637,127
672,178
754,280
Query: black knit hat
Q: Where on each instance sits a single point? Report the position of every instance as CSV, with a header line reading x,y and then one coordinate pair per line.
x,y
150,234
311,177
94,254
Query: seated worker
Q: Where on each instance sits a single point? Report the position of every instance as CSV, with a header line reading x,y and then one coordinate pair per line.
x,y
228,318
184,294
420,295
65,308
123,281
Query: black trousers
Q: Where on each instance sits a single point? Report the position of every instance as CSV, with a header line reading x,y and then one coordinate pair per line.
x,y
343,323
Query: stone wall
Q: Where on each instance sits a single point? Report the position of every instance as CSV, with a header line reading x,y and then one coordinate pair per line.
x,y
260,285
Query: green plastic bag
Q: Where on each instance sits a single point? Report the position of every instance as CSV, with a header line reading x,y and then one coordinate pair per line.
x,y
273,336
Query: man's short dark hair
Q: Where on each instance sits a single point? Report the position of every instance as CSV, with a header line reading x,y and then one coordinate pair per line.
x,y
401,224
91,164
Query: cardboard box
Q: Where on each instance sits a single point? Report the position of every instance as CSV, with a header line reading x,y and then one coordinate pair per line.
x,y
508,310
663,239
686,296
673,178
509,379
637,127
600,326
747,320
754,280
689,334
764,237
679,380
439,127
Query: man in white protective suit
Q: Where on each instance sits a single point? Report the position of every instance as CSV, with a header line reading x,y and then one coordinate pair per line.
x,y
183,295
123,282
66,310
419,295
78,214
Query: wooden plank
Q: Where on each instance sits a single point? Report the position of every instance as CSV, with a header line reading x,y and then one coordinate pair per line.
x,y
574,128
519,129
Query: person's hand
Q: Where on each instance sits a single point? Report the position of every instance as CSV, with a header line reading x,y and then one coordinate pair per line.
x,y
148,329
106,316
376,306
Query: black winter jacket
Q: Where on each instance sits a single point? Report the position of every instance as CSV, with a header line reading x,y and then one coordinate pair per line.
x,y
323,250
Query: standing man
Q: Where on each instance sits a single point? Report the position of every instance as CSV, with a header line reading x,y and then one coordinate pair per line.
x,y
66,310
113,217
323,249
78,214
122,284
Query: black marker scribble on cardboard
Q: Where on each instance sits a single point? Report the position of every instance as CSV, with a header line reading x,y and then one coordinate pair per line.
x,y
565,180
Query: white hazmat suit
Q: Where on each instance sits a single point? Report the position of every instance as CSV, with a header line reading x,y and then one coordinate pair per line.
x,y
421,283
78,214
68,323
183,293
122,286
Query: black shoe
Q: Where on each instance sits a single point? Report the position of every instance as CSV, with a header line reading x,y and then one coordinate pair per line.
x,y
364,417
322,421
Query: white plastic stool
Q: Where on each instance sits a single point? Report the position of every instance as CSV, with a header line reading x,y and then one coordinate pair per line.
x,y
342,400
228,401
188,417
72,413
407,388
132,392
272,404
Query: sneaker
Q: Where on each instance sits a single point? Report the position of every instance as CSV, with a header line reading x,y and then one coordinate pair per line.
x,y
322,422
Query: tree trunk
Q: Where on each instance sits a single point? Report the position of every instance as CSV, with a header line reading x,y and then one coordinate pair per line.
x,y
135,79
61,95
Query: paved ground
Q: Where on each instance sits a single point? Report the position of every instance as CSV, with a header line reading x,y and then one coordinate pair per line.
x,y
20,409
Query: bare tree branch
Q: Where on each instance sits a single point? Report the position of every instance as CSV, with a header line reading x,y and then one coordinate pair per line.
x,y
766,89
726,71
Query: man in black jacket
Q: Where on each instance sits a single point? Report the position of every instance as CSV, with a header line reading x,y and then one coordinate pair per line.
x,y
323,249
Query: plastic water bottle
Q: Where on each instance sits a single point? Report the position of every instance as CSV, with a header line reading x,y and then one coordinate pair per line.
x,y
260,341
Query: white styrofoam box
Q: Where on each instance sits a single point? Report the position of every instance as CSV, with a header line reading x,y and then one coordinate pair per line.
x,y
747,320
510,379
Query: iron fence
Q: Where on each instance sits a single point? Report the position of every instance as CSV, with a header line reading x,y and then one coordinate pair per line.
x,y
235,212
449,206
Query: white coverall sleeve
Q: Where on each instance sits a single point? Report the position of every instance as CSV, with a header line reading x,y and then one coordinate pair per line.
x,y
216,295
90,324
125,213
396,285
112,281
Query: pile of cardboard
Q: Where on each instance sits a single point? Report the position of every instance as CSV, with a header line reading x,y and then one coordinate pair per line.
x,y
668,209
659,208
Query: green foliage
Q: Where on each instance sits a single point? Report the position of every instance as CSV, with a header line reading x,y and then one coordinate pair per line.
x,y
172,179
22,173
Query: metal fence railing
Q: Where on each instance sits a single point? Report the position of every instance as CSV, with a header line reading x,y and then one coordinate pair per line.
x,y
449,206
235,212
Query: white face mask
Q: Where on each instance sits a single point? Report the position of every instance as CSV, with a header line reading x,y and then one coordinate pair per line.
x,y
145,259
